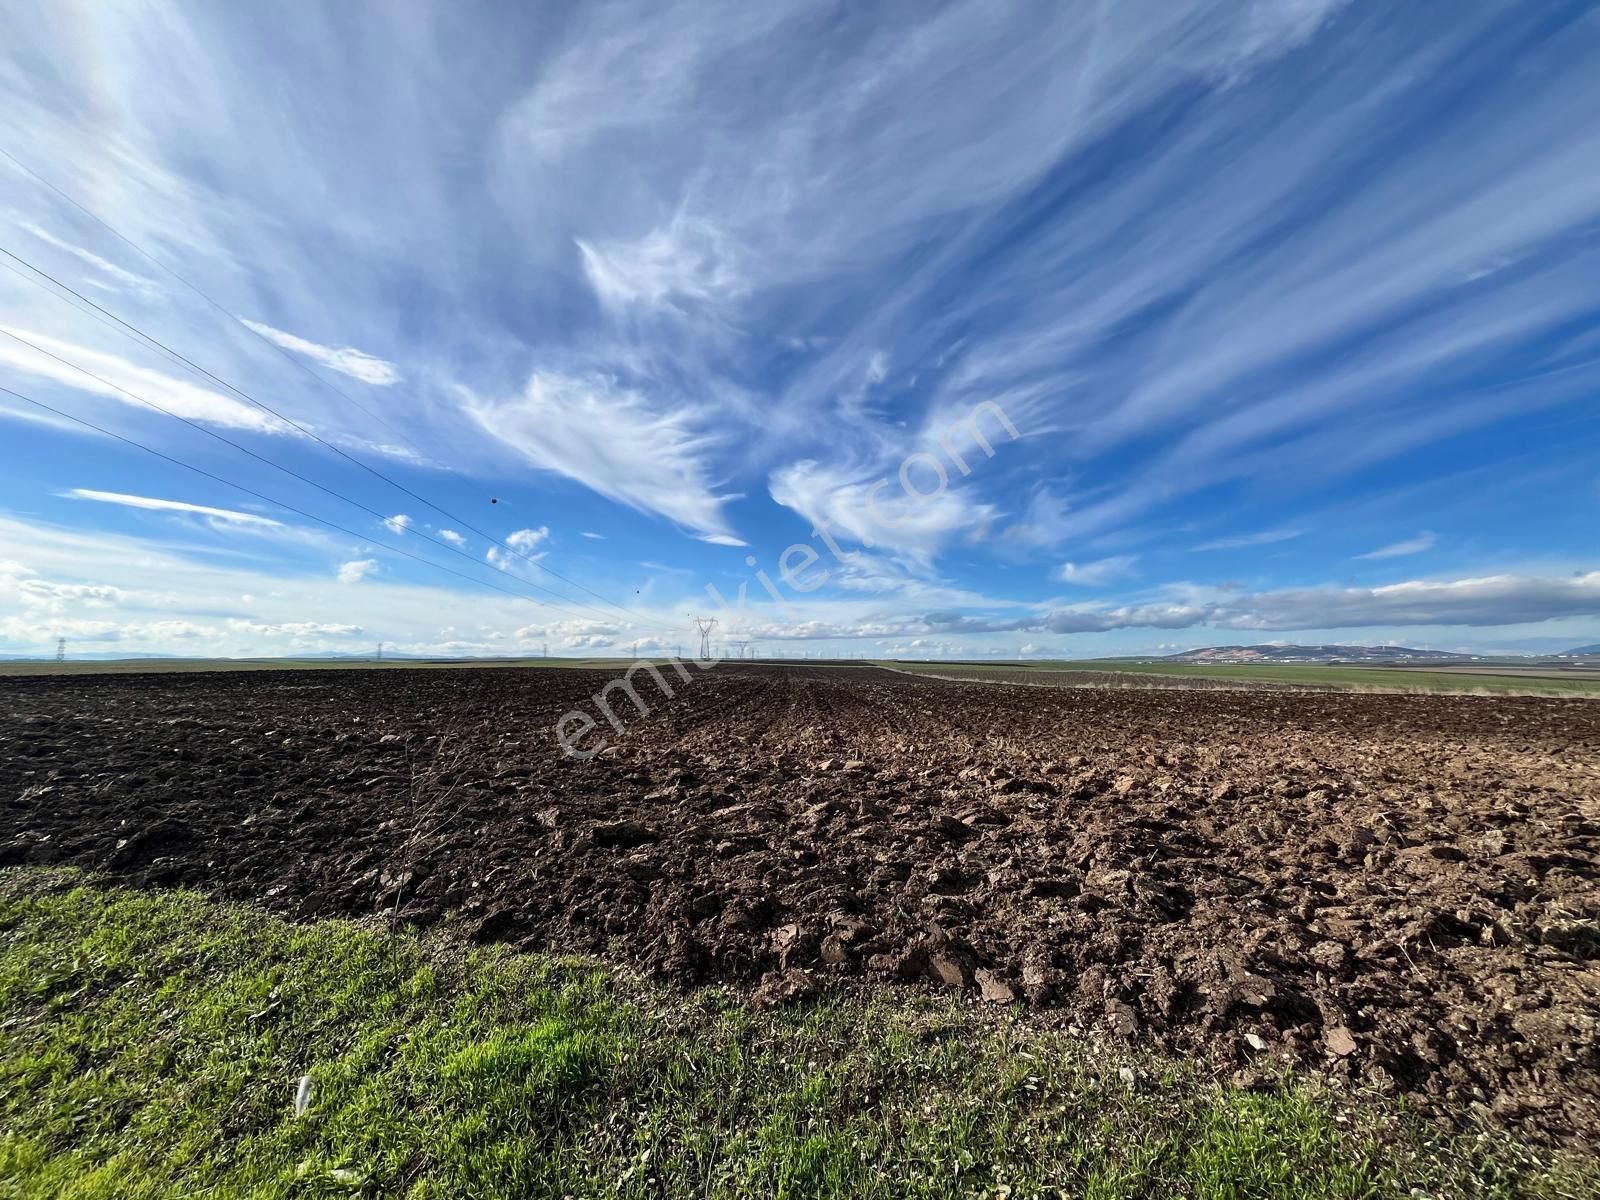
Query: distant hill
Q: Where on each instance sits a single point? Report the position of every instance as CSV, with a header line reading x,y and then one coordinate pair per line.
x,y
1583,652
1247,654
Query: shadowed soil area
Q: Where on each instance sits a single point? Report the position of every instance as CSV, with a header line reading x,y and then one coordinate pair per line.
x,y
1400,889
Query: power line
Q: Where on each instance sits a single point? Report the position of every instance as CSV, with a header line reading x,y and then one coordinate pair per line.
x,y
155,343
427,562
456,550
291,472
297,363
150,258
106,317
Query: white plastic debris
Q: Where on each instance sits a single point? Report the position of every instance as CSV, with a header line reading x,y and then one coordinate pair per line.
x,y
302,1096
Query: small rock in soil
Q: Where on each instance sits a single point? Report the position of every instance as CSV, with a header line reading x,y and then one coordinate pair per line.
x,y
778,988
993,988
1339,1041
1121,1019
949,969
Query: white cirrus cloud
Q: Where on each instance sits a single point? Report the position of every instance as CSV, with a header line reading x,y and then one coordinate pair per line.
x,y
116,378
684,259
454,538
869,506
398,523
125,278
1265,537
345,359
613,439
357,569
1416,545
182,506
1044,522
1097,573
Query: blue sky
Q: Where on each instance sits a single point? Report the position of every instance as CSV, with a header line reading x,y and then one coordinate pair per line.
x,y
1280,320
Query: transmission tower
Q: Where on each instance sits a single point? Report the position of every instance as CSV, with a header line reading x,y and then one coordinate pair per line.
x,y
741,646
61,649
705,625
380,651
545,651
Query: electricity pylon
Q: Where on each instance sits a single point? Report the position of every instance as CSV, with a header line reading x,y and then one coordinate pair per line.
x,y
705,625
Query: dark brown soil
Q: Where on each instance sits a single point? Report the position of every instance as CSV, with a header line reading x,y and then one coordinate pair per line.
x,y
1040,677
1402,889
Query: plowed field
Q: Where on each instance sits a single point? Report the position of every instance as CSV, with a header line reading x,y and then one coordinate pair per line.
x,y
1402,889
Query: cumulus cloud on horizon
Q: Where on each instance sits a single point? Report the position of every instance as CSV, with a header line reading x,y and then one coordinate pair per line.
x,y
1478,602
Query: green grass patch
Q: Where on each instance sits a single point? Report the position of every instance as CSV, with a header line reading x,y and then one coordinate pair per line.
x,y
150,1045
